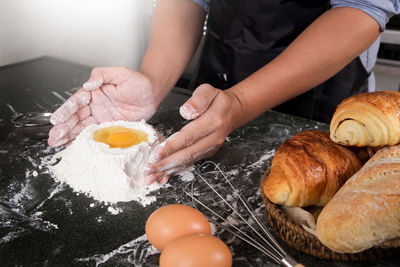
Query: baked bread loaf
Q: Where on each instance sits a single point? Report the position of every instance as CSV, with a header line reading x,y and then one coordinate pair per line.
x,y
366,210
308,169
368,119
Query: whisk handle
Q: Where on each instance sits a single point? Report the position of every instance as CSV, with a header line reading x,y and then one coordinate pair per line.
x,y
288,261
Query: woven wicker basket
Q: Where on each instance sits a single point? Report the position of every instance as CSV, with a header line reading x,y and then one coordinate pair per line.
x,y
295,236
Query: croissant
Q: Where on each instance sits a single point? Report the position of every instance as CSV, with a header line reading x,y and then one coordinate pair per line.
x,y
368,119
308,169
366,210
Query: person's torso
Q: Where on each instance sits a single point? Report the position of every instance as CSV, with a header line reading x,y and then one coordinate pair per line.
x,y
243,36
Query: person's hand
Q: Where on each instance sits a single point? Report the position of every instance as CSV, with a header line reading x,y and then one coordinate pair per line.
x,y
215,113
113,93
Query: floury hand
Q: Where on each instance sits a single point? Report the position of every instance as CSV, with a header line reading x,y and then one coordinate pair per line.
x,y
114,93
215,113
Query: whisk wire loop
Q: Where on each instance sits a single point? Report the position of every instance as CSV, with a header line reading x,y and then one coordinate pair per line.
x,y
262,240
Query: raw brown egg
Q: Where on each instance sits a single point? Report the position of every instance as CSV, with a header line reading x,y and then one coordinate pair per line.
x,y
196,250
119,137
173,221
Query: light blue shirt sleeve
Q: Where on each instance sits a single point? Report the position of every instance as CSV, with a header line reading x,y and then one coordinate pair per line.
x,y
202,3
380,10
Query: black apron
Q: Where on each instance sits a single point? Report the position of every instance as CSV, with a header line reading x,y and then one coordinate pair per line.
x,y
244,35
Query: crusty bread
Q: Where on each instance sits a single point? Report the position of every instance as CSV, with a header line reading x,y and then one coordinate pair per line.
x,y
308,169
366,210
368,119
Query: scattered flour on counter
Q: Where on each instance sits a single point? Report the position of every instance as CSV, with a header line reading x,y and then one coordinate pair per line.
x,y
12,109
114,211
262,159
108,174
10,236
135,253
63,99
186,175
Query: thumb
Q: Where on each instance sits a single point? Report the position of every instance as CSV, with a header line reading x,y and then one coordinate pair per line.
x,y
201,99
107,75
95,81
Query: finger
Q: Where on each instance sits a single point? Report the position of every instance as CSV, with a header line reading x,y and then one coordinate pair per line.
x,y
96,79
80,125
157,154
100,76
59,131
164,180
201,99
69,143
204,148
187,136
93,83
77,101
58,142
149,179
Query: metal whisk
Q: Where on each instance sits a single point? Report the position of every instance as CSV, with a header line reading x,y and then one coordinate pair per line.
x,y
260,238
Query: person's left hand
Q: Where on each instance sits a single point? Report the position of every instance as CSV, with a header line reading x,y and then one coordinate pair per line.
x,y
215,114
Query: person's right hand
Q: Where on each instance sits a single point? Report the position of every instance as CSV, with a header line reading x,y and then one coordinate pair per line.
x,y
113,93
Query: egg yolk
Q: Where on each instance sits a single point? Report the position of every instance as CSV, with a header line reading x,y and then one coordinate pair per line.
x,y
119,137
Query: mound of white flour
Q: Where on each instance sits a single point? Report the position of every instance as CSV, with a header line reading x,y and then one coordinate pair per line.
x,y
107,174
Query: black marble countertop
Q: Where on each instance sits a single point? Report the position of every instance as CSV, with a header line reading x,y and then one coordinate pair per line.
x,y
44,223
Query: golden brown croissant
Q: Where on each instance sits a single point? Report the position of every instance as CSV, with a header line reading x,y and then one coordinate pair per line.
x,y
369,119
366,210
308,169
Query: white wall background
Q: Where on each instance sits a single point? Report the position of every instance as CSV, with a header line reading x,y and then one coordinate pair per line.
x,y
91,32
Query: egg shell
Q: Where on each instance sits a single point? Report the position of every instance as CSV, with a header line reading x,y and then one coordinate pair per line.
x,y
173,221
196,250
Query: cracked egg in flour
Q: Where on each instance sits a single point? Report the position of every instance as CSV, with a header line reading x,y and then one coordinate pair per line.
x,y
106,161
